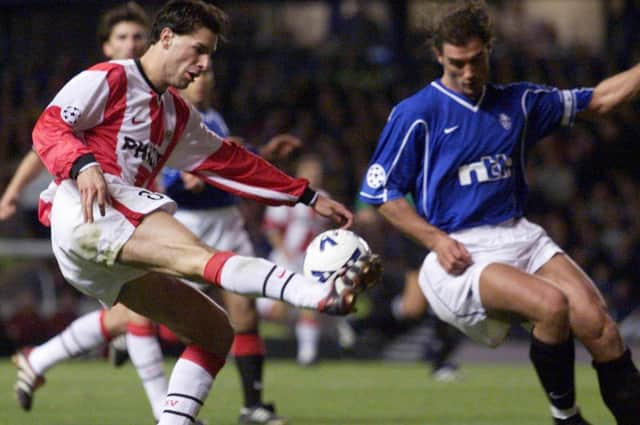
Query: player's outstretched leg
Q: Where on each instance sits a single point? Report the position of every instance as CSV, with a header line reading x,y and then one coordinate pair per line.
x,y
255,276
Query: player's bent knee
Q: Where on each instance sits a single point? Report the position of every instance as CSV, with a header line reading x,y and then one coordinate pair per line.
x,y
591,324
555,308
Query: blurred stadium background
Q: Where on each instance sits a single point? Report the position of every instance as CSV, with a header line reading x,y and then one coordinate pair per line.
x,y
329,71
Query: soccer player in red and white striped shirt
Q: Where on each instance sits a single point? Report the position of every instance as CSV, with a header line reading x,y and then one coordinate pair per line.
x,y
104,137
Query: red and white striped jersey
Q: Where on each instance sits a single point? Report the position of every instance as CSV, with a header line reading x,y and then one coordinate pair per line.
x,y
113,112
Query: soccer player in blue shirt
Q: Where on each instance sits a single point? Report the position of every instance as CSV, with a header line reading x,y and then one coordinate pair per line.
x,y
458,146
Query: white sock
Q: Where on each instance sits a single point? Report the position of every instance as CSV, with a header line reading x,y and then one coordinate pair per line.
x,y
82,335
146,356
308,335
189,386
563,413
259,277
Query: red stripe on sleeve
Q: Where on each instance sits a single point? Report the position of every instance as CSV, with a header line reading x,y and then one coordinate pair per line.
x,y
236,163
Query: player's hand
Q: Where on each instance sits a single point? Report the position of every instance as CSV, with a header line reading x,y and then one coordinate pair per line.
x,y
279,147
8,205
92,187
334,210
191,182
452,255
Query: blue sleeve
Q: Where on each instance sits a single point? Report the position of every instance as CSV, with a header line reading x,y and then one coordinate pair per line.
x,y
171,180
548,108
397,160
215,122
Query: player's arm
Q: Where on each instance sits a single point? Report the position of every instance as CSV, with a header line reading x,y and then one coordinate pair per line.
x,y
615,90
452,255
79,106
236,170
30,167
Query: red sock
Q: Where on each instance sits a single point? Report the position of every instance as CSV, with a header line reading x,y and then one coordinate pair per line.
x,y
147,329
213,268
103,329
207,360
247,344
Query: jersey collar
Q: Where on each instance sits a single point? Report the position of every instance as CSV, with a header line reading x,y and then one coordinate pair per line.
x,y
139,65
459,98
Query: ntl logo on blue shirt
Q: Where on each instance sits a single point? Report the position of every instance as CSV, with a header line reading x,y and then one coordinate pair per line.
x,y
489,168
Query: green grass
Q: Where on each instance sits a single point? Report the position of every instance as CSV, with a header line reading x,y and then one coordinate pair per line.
x,y
336,393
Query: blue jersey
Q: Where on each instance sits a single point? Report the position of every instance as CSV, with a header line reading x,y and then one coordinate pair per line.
x,y
210,197
463,162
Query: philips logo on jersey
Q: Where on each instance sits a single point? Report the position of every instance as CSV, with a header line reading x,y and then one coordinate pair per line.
x,y
489,168
146,151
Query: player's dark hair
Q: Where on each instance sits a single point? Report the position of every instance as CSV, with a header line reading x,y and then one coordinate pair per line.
x,y
461,21
186,16
128,12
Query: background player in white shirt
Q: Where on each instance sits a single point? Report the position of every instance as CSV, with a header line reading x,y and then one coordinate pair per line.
x,y
458,146
105,137
123,33
289,231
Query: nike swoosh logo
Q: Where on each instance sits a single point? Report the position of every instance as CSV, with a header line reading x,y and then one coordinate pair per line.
x,y
555,396
135,121
281,275
450,129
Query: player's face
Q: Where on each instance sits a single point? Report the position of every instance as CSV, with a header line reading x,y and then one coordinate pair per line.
x,y
199,92
127,40
189,56
466,67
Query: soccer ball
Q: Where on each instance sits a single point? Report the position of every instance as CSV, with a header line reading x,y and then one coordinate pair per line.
x,y
330,251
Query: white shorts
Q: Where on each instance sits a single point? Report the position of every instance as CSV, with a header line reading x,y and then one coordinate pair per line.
x,y
87,252
220,228
456,299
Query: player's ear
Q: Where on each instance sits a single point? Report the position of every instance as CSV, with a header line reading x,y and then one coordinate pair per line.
x,y
107,51
166,36
438,54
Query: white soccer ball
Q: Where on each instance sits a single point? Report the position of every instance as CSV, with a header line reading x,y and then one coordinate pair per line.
x,y
330,251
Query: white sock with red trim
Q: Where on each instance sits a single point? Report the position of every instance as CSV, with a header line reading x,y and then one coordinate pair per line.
x,y
189,385
259,277
146,355
82,335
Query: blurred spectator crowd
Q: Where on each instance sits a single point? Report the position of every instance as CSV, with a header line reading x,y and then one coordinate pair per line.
x,y
336,97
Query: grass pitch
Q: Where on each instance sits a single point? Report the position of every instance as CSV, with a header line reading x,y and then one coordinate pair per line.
x,y
337,392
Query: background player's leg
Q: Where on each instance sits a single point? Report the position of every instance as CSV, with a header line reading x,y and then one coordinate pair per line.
x,y
248,351
146,355
82,335
200,322
618,377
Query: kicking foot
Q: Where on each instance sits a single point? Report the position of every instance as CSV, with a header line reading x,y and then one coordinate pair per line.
x,y
27,380
365,273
